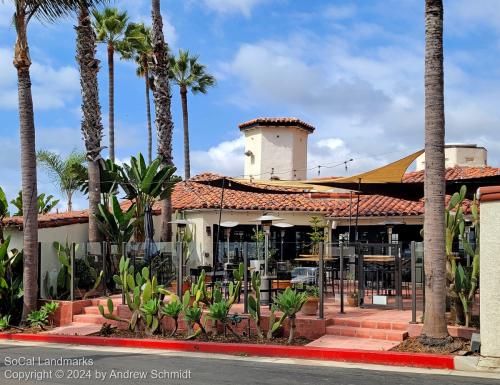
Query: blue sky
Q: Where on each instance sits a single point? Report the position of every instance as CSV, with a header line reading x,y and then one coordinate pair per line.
x,y
352,68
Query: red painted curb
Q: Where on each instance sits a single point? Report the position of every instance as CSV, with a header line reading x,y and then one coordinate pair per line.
x,y
420,360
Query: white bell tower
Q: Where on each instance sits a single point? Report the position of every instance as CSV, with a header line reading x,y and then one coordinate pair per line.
x,y
276,148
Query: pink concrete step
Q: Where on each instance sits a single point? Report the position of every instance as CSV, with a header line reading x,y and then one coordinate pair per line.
x,y
357,323
95,310
90,319
341,342
76,328
359,332
104,301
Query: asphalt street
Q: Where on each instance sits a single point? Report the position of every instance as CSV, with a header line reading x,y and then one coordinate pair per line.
x,y
21,363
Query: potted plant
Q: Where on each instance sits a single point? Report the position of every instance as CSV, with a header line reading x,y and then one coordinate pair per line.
x,y
310,307
352,299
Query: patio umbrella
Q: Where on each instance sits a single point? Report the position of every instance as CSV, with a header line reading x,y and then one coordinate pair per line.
x,y
150,249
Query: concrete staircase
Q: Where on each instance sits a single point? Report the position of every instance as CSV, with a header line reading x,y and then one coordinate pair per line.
x,y
387,331
91,315
361,334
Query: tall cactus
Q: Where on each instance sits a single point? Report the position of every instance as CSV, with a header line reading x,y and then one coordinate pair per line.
x,y
143,297
254,303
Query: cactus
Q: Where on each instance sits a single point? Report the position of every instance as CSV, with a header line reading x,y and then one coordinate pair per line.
x,y
462,282
109,315
273,324
254,303
143,296
193,313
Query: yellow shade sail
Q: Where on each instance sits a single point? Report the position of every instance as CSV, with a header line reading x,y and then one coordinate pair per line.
x,y
391,173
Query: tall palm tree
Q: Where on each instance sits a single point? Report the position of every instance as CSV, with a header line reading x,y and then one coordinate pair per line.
x,y
110,26
138,45
188,73
26,10
61,171
434,225
91,125
162,97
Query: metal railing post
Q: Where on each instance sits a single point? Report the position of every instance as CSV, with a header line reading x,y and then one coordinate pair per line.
x,y
321,281
341,256
72,276
413,284
399,287
180,274
361,278
39,272
245,277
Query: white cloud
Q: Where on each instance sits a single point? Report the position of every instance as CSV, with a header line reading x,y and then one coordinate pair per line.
x,y
52,87
366,100
225,158
225,7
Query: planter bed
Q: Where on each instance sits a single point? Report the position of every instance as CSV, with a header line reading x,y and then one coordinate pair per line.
x,y
455,346
220,338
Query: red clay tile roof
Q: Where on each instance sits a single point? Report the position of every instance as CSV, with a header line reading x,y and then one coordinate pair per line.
x,y
52,220
277,122
191,195
455,173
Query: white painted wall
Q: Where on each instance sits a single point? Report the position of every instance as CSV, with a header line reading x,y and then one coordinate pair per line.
x,y
76,233
460,155
283,149
489,274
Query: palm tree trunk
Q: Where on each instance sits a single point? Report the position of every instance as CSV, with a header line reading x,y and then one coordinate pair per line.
x,y
111,101
185,118
70,201
162,97
22,62
91,110
148,111
434,226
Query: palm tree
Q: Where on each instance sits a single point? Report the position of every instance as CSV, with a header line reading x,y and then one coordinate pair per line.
x,y
434,225
26,10
138,45
110,26
162,97
188,73
61,171
91,110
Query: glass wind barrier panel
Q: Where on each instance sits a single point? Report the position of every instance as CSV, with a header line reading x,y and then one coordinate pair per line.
x,y
89,278
54,270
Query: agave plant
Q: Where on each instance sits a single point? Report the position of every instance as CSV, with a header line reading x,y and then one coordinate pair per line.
x,y
38,318
219,311
173,310
290,302
152,313
5,322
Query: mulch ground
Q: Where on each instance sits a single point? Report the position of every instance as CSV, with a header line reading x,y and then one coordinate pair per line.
x,y
27,330
228,338
453,346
